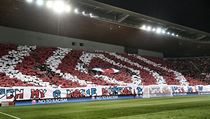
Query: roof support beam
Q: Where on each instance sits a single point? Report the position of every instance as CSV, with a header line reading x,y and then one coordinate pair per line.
x,y
123,18
201,37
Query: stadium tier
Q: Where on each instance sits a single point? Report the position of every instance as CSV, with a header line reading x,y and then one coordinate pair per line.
x,y
67,68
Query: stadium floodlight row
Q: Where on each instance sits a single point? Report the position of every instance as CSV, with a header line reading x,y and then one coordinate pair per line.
x,y
157,30
59,7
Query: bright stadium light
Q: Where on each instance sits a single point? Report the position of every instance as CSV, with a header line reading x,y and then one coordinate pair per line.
x,y
39,2
163,31
29,1
76,11
67,8
143,27
173,34
91,15
168,33
49,4
158,30
83,13
149,28
59,6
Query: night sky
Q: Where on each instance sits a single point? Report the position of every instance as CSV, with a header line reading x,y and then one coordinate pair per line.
x,y
192,13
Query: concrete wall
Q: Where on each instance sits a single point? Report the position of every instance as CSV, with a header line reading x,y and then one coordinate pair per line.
x,y
18,36
150,53
131,50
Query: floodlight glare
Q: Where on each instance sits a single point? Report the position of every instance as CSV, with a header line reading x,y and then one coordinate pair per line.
x,y
168,33
158,30
163,31
67,8
49,4
39,2
149,28
153,29
29,1
76,11
83,13
91,15
143,27
59,6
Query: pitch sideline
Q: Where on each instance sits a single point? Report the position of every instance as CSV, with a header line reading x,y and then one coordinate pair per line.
x,y
14,117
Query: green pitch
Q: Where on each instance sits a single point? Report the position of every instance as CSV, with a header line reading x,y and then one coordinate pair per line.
x,y
158,108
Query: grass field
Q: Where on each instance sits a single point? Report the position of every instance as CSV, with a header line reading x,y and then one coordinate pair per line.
x,y
157,108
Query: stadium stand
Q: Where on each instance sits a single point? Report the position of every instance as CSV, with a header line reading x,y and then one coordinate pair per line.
x,y
67,68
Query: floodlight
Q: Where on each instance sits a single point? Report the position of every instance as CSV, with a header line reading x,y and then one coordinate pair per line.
x,y
59,6
67,8
91,15
163,31
177,35
143,27
149,28
29,1
76,11
158,30
168,33
83,13
39,2
49,4
173,34
153,29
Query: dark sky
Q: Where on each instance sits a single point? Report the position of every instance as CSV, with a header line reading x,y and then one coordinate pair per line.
x,y
192,13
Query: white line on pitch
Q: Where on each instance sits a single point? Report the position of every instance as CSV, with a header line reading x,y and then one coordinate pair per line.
x,y
10,115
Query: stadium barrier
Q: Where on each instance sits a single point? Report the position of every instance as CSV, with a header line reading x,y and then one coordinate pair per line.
x,y
41,95
69,100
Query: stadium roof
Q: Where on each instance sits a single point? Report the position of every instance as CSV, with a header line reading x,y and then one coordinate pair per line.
x,y
133,19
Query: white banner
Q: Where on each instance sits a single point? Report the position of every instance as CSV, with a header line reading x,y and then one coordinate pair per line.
x,y
30,93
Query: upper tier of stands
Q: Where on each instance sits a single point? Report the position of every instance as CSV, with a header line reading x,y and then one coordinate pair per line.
x,y
67,68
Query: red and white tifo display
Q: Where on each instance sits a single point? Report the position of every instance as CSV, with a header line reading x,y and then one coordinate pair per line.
x,y
28,72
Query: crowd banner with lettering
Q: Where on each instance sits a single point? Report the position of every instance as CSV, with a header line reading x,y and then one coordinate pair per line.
x,y
190,90
179,90
97,93
202,90
31,93
160,90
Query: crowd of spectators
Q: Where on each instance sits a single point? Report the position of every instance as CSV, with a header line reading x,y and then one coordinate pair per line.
x,y
67,68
